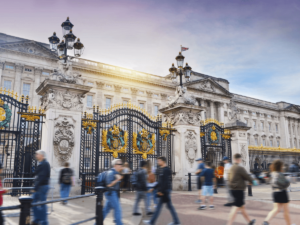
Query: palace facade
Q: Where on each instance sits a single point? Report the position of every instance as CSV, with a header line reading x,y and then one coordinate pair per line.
x,y
274,128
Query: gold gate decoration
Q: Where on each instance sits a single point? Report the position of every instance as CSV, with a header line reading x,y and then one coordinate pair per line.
x,y
115,140
143,143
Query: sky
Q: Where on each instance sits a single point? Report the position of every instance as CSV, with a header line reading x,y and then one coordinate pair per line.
x,y
254,44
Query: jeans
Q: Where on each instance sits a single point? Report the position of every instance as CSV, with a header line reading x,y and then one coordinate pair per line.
x,y
140,195
65,191
169,206
1,218
40,212
112,202
149,196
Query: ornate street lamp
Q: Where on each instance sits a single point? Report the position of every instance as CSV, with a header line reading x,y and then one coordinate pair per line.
x,y
67,44
186,71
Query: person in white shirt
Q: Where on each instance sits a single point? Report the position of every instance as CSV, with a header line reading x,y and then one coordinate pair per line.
x,y
227,167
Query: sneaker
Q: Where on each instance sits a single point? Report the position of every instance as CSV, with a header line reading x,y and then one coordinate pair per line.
x,y
146,222
252,222
211,207
265,223
198,201
149,213
202,207
228,204
136,214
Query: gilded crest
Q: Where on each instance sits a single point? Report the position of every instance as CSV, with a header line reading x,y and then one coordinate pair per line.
x,y
144,143
5,115
115,140
89,126
213,135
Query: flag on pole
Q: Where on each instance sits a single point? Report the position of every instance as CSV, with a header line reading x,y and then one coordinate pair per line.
x,y
184,49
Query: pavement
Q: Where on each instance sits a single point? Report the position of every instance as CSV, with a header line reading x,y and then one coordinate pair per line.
x,y
257,206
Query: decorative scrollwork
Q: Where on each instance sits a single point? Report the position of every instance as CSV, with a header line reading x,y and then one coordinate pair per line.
x,y
89,126
164,133
202,134
213,135
5,115
115,140
144,143
210,120
30,117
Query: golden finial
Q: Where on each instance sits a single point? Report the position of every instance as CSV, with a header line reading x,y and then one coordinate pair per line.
x,y
4,91
16,96
1,90
35,109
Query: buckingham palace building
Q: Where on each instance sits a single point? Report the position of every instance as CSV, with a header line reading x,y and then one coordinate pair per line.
x,y
274,127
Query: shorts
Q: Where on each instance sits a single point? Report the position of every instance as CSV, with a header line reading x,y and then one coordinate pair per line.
x,y
238,198
207,190
199,183
280,197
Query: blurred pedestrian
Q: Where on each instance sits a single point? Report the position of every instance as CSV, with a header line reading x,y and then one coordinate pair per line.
x,y
201,166
209,182
150,185
280,196
2,191
141,189
219,172
237,177
226,171
294,170
113,179
66,181
126,175
163,192
41,187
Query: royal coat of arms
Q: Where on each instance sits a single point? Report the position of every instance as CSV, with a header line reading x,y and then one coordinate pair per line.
x,y
144,143
5,115
115,140
213,135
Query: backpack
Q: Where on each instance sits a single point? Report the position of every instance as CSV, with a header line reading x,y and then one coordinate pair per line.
x,y
67,177
101,179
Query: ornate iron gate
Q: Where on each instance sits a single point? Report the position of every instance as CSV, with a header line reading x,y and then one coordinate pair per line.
x,y
124,131
215,141
20,137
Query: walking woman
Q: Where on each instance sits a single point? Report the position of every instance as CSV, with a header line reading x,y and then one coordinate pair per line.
x,y
126,174
150,185
280,196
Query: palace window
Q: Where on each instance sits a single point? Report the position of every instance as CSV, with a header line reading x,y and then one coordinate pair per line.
x,y
278,143
141,92
28,70
271,143
108,86
256,141
142,105
125,89
254,125
89,101
276,128
9,67
46,73
7,84
107,103
87,162
270,127
155,110
90,83
26,89
264,142
262,125
155,95
246,122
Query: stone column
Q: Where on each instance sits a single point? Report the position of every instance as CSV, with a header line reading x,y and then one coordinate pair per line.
x,y
37,80
239,142
221,112
18,77
284,131
212,111
118,94
186,147
133,95
149,102
99,97
1,69
203,112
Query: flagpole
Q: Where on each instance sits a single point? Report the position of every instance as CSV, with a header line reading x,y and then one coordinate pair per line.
x,y
180,48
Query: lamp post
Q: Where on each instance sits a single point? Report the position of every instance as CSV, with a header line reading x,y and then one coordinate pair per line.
x,y
180,71
68,43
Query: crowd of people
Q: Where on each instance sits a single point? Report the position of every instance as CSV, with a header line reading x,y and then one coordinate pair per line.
x,y
153,186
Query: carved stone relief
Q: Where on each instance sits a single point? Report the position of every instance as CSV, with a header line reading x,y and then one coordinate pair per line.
x,y
62,100
183,117
63,139
99,84
242,134
134,91
181,96
244,154
207,85
234,114
190,146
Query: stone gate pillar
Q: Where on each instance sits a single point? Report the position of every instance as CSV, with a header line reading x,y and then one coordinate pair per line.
x,y
239,142
186,147
62,99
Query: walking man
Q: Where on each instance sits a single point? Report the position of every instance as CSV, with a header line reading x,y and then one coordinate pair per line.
x,y
113,179
141,189
201,166
41,187
227,167
209,182
163,192
65,180
237,177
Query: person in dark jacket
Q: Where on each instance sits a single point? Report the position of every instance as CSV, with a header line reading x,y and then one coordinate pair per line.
x,y
141,188
2,191
66,181
41,187
163,192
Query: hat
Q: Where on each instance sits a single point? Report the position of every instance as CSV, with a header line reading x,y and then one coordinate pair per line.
x,y
199,159
225,158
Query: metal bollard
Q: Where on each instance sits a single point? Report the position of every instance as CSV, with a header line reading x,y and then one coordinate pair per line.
x,y
99,205
25,210
250,190
83,184
189,182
